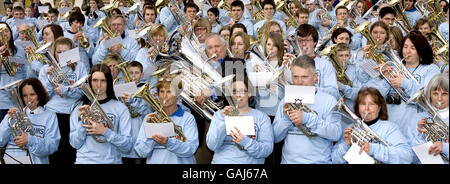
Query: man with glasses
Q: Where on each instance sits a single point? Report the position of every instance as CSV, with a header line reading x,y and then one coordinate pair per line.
x,y
127,49
307,38
268,10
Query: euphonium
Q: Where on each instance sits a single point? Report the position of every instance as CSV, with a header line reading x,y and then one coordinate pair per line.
x,y
9,67
283,7
56,76
361,132
299,106
19,118
94,112
341,76
84,42
436,37
126,77
323,14
397,68
443,52
161,116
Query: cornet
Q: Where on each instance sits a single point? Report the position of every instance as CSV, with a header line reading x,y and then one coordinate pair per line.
x,y
9,67
341,76
299,106
84,42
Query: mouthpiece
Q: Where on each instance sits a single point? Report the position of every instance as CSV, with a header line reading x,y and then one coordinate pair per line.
x,y
439,104
164,102
365,115
212,57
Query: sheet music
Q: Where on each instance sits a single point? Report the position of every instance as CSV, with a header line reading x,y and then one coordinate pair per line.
x,y
422,153
245,124
368,66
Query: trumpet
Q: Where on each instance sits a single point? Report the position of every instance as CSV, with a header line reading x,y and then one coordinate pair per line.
x,y
341,76
84,42
94,112
126,77
437,130
161,116
361,132
10,67
56,75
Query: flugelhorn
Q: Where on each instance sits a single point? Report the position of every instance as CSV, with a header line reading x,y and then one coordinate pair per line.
x,y
299,106
103,24
161,116
8,66
93,112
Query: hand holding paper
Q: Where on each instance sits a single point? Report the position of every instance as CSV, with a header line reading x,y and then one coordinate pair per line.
x,y
69,57
296,94
353,156
245,124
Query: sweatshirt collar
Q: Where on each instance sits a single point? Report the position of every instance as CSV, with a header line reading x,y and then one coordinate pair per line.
x,y
179,112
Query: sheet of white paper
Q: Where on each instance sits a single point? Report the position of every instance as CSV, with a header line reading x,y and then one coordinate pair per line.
x,y
41,23
78,3
422,153
120,89
64,10
112,41
18,22
22,160
18,60
260,78
353,157
124,10
245,124
23,44
43,9
294,93
368,66
70,56
163,129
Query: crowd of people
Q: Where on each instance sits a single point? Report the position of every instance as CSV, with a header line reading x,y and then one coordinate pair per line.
x,y
384,62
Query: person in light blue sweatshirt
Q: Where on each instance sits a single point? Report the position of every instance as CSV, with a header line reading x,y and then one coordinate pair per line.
x,y
411,12
50,33
62,97
237,148
159,149
307,37
437,95
128,48
314,144
166,17
43,139
323,24
77,33
269,11
23,70
100,141
418,60
371,107
443,28
237,17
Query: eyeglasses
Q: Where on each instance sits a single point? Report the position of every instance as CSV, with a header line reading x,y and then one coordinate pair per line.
x,y
305,40
240,92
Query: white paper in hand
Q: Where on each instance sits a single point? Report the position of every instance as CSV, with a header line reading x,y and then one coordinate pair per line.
x,y
17,160
353,157
64,10
422,153
163,129
68,57
112,41
368,66
260,78
18,60
245,124
295,94
129,87
43,9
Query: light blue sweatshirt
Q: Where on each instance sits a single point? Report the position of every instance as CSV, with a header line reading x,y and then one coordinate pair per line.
x,y
44,142
443,29
128,53
87,51
118,140
63,104
399,152
255,149
174,151
23,72
298,148
166,18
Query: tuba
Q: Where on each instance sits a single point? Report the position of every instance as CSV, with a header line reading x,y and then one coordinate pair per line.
x,y
94,112
161,116
57,75
126,77
361,132
341,76
9,67
19,118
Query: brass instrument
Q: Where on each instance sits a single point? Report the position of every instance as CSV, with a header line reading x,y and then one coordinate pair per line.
x,y
397,68
401,16
159,4
94,112
369,12
436,37
32,55
437,130
361,132
161,116
374,55
435,15
106,29
126,77
8,66
145,40
351,7
322,43
341,76
443,52
299,106
56,76
283,7
323,14
259,15
258,57
84,42
135,10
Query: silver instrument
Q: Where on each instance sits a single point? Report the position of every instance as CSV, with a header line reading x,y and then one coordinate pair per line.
x,y
324,15
57,75
298,105
258,57
361,132
325,39
94,112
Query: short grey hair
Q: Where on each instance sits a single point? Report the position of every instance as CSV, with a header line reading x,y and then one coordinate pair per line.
x,y
439,81
211,35
305,62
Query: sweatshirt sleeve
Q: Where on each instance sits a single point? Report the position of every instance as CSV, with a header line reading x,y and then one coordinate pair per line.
x,y
5,132
143,145
49,144
281,124
122,137
217,132
188,148
399,151
77,132
263,146
338,152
